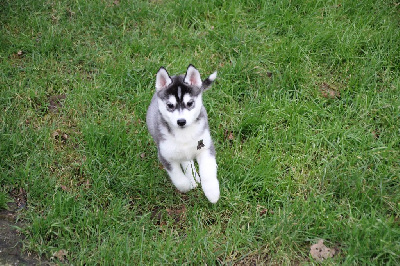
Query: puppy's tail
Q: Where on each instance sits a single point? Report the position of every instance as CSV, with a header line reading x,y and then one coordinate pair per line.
x,y
209,81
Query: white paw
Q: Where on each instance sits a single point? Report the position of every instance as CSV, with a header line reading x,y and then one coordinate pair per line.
x,y
183,184
211,190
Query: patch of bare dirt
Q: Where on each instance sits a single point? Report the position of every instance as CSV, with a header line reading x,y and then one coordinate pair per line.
x,y
176,214
56,102
11,238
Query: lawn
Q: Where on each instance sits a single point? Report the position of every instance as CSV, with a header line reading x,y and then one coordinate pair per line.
x,y
304,114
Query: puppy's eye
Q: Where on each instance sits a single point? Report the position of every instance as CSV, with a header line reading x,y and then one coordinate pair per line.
x,y
190,103
170,106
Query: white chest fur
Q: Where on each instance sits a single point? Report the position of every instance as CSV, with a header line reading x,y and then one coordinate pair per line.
x,y
185,144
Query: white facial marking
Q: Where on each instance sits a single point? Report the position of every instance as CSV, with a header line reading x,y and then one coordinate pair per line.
x,y
179,92
172,99
186,98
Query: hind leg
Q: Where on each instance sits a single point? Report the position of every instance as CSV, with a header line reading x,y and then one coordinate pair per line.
x,y
190,172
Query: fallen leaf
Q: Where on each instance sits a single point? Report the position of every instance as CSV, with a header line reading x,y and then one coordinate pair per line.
x,y
61,255
328,91
320,252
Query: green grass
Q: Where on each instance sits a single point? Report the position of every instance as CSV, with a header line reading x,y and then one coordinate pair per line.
x,y
3,200
295,165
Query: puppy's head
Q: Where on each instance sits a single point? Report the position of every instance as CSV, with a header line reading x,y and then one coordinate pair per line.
x,y
180,97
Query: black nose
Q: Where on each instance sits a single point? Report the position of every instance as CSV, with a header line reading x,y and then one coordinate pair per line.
x,y
181,122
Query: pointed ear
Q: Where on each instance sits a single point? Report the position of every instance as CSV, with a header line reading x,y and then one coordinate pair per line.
x,y
162,79
192,76
209,81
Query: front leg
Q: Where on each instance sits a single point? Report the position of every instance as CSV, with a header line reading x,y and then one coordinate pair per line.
x,y
179,179
208,175
181,182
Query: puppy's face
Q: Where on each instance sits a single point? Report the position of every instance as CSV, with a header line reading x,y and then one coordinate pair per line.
x,y
180,97
180,104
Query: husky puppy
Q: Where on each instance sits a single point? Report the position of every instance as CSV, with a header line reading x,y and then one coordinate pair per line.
x,y
178,123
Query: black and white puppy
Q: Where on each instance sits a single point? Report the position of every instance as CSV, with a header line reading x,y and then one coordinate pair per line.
x,y
178,123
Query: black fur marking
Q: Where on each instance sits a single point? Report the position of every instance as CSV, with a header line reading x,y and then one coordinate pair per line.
x,y
200,144
206,83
